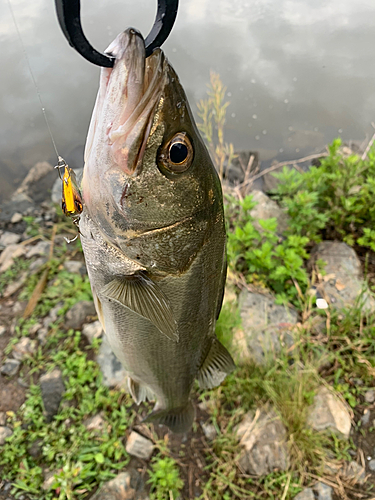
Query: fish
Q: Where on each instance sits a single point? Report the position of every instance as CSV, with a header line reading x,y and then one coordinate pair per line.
x,y
153,233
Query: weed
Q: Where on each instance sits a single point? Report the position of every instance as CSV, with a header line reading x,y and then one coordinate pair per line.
x,y
164,479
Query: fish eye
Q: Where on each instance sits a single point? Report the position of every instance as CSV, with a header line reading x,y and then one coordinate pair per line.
x,y
178,153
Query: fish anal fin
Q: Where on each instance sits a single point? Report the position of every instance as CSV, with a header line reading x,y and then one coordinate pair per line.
x,y
144,297
139,392
178,420
217,365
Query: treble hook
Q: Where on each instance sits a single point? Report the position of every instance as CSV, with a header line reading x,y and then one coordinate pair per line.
x,y
68,14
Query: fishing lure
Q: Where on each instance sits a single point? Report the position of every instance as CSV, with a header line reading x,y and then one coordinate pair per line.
x,y
71,202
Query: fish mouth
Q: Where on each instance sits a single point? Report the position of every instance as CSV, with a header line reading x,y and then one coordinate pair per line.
x,y
128,96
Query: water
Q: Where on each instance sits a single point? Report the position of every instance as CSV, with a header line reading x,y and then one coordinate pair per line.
x,y
298,72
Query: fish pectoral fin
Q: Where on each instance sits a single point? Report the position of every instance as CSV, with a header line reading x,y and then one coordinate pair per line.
x,y
217,365
139,392
142,296
177,419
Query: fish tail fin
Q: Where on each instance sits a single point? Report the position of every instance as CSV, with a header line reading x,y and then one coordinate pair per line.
x,y
178,420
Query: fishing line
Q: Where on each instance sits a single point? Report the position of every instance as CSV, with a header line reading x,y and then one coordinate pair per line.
x,y
61,161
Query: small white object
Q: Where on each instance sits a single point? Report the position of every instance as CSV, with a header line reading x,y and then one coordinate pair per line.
x,y
321,304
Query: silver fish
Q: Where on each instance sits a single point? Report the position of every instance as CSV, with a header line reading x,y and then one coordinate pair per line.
x,y
153,233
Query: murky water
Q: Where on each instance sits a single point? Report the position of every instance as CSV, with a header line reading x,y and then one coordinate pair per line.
x,y
298,72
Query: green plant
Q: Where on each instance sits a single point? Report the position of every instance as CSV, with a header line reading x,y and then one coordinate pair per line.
x,y
164,479
212,111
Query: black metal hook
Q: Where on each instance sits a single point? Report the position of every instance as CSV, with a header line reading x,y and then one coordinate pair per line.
x,y
68,14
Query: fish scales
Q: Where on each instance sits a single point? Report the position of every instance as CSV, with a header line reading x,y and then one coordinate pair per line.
x,y
153,234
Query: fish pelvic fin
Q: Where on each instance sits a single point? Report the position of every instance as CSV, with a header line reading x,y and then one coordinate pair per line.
x,y
217,365
98,307
139,392
144,297
178,420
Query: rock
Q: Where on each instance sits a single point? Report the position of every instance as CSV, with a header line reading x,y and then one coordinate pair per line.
x,y
52,387
112,370
10,367
95,423
2,330
35,450
35,180
209,430
19,203
15,285
371,465
25,347
75,267
306,494
76,316
329,412
343,281
3,418
263,437
92,331
267,208
9,254
369,395
49,479
266,325
126,486
139,446
5,432
52,315
42,335
365,419
37,264
355,472
41,248
19,308
322,491
8,238
16,218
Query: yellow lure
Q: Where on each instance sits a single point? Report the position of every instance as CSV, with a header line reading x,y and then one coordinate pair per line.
x,y
71,198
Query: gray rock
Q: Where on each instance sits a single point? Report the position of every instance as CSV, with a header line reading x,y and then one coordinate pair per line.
x,y
19,203
2,330
16,218
41,248
10,367
263,437
35,450
329,412
343,282
139,446
306,494
76,316
25,347
371,465
112,370
322,491
8,238
19,308
209,430
37,264
370,396
9,254
49,479
92,331
42,335
15,285
365,419
267,208
75,267
5,432
31,185
53,388
355,472
95,423
3,418
266,325
126,486
52,315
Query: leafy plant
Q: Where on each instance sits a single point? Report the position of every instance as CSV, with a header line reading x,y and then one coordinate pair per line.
x,y
164,479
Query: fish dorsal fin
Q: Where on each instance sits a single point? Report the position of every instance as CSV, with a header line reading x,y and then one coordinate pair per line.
x,y
142,296
139,391
217,365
